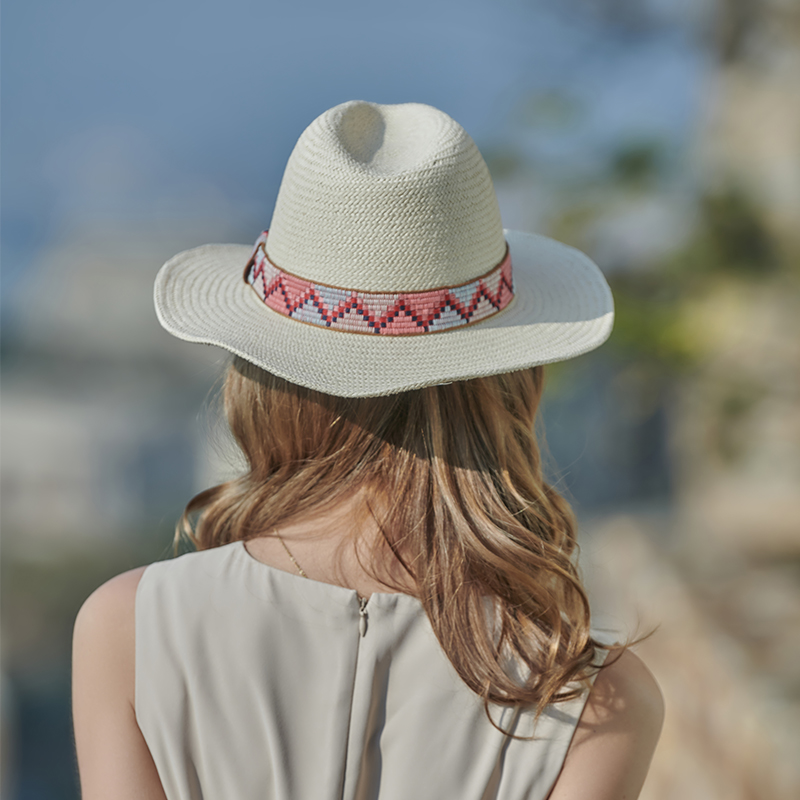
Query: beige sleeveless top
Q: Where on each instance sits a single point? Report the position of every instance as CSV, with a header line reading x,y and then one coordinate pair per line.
x,y
254,683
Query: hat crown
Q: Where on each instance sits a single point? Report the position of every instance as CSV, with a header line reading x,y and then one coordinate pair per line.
x,y
386,198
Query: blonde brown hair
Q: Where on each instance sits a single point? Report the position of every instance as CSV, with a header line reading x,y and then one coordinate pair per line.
x,y
457,472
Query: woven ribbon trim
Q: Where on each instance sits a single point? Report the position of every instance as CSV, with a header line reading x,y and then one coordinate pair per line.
x,y
390,314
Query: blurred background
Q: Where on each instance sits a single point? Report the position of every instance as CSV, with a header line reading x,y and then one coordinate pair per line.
x,y
660,136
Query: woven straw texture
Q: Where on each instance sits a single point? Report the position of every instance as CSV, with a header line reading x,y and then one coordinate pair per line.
x,y
388,199
562,308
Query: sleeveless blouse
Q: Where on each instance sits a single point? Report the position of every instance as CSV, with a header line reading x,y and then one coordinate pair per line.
x,y
256,684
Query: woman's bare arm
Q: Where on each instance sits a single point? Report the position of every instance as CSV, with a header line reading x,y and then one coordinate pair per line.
x,y
615,740
113,758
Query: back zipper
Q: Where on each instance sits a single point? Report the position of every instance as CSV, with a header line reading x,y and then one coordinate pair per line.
x,y
362,619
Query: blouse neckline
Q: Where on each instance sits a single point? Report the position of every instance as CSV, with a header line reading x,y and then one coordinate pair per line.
x,y
333,591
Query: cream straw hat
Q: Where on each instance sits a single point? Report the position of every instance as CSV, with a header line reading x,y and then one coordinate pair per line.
x,y
386,267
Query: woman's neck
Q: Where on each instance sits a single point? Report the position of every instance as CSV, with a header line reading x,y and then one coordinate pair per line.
x,y
330,545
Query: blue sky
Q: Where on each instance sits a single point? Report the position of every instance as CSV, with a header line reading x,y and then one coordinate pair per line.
x,y
136,110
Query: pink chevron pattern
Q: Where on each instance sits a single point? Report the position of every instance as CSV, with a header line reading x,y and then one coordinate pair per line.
x,y
390,314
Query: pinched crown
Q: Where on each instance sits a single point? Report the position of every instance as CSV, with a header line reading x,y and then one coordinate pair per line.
x,y
386,198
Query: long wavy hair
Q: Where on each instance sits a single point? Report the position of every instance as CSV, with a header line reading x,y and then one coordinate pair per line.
x,y
456,471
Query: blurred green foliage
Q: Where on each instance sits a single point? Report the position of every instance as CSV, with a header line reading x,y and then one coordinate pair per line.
x,y
730,245
503,162
638,164
550,109
731,239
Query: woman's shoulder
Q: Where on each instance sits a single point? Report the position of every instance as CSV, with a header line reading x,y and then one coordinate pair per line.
x,y
103,648
625,684
104,717
112,601
617,734
108,614
111,606
105,623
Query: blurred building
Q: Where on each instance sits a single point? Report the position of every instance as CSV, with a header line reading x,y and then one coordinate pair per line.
x,y
101,432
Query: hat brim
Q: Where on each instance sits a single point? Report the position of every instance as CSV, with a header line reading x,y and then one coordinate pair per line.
x,y
562,308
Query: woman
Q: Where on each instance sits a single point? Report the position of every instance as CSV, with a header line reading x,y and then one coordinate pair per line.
x,y
385,603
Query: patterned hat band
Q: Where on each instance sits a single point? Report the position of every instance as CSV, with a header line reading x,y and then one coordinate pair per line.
x,y
387,313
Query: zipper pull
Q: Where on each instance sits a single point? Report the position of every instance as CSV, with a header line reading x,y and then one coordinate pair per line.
x,y
362,619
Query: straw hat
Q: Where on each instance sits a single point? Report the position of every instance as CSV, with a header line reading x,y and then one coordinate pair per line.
x,y
386,267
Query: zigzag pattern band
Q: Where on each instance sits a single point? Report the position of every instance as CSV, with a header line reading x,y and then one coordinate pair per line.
x,y
390,314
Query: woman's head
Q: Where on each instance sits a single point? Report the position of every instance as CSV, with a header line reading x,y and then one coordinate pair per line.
x,y
453,477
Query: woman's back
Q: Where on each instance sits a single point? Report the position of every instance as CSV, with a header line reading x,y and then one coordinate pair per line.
x,y
252,682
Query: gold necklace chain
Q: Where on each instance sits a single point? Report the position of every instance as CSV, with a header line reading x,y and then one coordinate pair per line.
x,y
362,600
289,553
